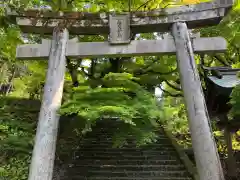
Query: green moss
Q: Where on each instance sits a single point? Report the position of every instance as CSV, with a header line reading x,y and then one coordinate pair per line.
x,y
17,129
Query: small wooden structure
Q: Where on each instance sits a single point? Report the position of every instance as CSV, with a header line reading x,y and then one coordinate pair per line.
x,y
220,82
177,20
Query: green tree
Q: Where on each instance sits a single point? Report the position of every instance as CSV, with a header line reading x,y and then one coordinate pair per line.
x,y
120,88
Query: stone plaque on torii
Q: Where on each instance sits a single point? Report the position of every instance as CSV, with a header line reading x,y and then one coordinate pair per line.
x,y
177,20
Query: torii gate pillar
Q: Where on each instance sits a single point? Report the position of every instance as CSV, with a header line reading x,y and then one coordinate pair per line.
x,y
205,151
45,141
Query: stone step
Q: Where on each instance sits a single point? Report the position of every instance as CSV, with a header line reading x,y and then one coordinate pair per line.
x,y
97,159
110,135
94,162
128,140
129,152
108,140
109,148
122,153
129,157
160,150
128,178
112,130
129,167
110,145
113,125
99,142
109,173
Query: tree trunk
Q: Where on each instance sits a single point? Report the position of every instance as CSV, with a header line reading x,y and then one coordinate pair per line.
x,y
115,65
45,142
205,151
73,73
231,164
10,79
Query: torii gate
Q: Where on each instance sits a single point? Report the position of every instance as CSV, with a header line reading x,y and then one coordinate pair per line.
x,y
177,20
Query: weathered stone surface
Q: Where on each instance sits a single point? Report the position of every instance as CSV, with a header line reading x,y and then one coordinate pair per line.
x,y
198,15
191,33
205,151
135,48
119,26
97,159
46,136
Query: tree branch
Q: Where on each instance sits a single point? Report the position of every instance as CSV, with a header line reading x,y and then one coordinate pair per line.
x,y
85,73
92,68
73,72
173,86
115,64
143,5
146,70
221,60
148,66
170,94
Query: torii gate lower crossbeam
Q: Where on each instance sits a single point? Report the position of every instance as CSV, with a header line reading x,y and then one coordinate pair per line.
x,y
204,147
135,48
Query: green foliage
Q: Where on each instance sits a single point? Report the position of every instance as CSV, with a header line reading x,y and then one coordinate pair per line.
x,y
16,169
175,114
105,91
119,98
235,101
9,38
106,5
32,83
175,119
17,129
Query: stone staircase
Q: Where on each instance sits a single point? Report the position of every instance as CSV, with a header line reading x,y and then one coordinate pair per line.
x,y
96,159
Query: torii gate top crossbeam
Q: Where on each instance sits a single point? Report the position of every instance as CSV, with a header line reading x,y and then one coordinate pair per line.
x,y
198,15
